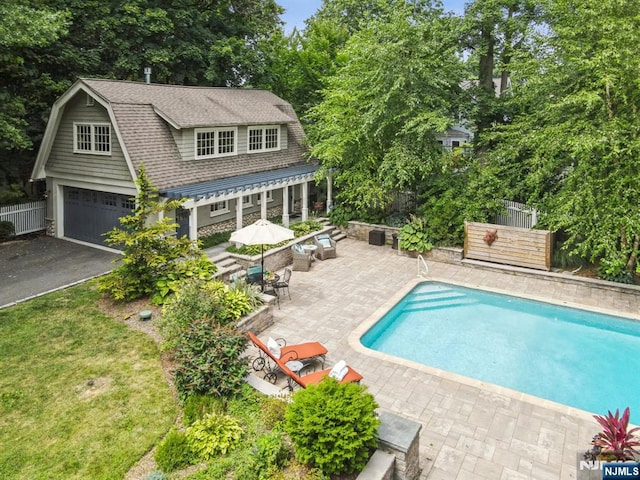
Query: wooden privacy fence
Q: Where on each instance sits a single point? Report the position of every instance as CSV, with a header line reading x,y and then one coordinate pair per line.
x,y
26,217
509,245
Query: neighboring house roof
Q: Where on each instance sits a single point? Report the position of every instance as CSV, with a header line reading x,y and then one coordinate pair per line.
x,y
239,183
144,114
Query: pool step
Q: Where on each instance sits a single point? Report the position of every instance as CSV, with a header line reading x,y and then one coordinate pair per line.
x,y
437,303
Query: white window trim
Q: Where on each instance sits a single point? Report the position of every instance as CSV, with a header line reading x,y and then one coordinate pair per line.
x,y
93,150
90,102
269,197
249,203
215,145
225,209
264,138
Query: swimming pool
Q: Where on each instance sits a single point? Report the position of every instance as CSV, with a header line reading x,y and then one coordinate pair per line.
x,y
578,358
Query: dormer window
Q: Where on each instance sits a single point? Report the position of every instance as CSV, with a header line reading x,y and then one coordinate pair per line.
x,y
263,138
216,142
94,138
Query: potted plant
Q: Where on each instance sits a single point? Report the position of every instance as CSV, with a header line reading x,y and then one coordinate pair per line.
x,y
616,442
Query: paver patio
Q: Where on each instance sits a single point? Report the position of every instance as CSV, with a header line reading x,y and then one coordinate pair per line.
x,y
471,430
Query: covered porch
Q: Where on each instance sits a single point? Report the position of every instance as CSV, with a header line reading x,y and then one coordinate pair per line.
x,y
228,201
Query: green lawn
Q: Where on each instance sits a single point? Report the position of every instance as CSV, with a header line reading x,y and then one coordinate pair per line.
x,y
81,395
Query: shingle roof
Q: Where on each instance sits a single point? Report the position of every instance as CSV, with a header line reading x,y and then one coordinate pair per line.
x,y
141,111
188,107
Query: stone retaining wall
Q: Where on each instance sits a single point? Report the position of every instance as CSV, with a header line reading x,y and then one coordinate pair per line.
x,y
360,231
276,258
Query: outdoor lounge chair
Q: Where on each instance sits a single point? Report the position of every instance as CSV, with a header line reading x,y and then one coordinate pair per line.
x,y
301,352
301,259
316,377
326,246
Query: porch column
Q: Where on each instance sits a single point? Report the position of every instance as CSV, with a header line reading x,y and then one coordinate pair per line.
x,y
263,204
193,223
239,217
285,205
329,193
305,201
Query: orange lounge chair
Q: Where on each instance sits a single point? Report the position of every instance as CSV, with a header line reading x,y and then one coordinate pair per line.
x,y
301,352
316,377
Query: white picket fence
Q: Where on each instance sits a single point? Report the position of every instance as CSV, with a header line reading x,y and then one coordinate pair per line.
x,y
518,215
26,217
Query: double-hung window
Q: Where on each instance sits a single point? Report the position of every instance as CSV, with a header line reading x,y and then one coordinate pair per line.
x,y
216,142
263,138
219,208
269,196
94,138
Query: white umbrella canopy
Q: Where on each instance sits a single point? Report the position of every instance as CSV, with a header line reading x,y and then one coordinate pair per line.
x,y
262,232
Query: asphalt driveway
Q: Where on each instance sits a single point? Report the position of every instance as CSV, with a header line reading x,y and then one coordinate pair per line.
x,y
33,265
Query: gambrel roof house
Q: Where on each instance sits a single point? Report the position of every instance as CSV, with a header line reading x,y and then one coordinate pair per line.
x,y
224,150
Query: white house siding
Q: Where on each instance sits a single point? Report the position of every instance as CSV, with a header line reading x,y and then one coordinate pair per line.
x,y
63,162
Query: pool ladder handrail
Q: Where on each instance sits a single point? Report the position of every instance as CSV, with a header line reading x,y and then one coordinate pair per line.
x,y
422,263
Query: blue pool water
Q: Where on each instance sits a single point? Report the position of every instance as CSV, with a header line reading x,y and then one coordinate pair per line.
x,y
574,357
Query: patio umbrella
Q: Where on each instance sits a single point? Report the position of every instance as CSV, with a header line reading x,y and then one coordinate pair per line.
x,y
261,232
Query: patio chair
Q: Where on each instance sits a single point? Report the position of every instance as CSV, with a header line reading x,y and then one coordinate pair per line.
x,y
301,259
350,375
278,352
326,246
283,283
254,274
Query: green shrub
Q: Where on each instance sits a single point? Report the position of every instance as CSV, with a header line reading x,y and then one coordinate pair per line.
x,y
214,239
251,291
333,426
304,228
190,303
214,434
341,216
209,300
235,304
7,231
615,270
196,406
174,452
270,455
396,219
209,360
273,412
413,236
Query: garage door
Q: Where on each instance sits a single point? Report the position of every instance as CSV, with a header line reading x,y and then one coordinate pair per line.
x,y
88,214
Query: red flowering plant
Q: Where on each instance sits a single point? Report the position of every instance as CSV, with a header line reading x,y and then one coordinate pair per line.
x,y
616,439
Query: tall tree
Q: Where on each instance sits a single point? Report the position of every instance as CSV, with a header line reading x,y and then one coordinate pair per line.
x,y
494,30
396,88
574,145
23,27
